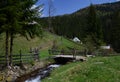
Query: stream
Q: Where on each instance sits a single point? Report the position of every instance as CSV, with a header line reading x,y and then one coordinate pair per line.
x,y
42,73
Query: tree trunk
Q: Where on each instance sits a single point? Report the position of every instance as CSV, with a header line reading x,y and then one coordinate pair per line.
x,y
6,49
49,17
11,48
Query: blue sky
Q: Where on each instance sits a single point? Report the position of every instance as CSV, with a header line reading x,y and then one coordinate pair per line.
x,y
69,6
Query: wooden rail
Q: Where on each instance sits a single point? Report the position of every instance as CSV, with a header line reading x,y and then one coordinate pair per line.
x,y
20,58
63,52
70,56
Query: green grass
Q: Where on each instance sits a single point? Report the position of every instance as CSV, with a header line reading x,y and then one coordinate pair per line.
x,y
44,54
45,43
99,69
69,43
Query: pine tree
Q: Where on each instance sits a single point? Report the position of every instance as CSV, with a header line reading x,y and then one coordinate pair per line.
x,y
115,31
94,28
18,17
8,13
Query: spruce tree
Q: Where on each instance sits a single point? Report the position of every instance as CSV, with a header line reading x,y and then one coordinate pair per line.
x,y
18,17
115,31
94,28
7,9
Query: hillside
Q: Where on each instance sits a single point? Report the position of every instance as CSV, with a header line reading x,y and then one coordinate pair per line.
x,y
75,24
103,9
43,44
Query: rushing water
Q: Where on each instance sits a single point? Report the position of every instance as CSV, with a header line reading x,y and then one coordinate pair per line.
x,y
36,79
42,74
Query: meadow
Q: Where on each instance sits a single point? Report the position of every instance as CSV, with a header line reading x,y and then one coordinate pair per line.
x,y
98,69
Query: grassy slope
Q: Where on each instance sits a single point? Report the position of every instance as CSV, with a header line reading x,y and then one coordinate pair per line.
x,y
99,69
20,43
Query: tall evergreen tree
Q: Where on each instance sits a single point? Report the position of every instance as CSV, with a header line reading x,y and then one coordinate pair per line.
x,y
28,21
7,10
18,17
115,31
94,28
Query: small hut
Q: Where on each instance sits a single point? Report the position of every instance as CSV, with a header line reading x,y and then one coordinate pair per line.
x,y
76,39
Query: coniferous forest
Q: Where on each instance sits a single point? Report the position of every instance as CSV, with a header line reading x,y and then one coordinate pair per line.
x,y
100,23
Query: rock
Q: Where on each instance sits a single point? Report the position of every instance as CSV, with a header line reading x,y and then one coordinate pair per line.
x,y
21,72
10,72
1,78
9,79
13,72
9,67
25,67
16,67
16,74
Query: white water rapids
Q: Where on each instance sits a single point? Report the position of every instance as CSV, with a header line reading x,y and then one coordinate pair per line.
x,y
38,78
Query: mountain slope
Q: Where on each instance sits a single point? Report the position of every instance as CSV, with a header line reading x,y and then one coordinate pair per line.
x,y
75,24
43,44
102,8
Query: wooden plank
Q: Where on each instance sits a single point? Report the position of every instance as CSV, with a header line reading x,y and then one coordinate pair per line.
x,y
2,59
2,56
15,55
27,55
1,62
15,58
70,56
27,59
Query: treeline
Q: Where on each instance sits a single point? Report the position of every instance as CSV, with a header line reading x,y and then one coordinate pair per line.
x,y
99,23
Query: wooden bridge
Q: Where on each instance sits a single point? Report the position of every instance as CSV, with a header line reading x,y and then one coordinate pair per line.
x,y
63,59
62,56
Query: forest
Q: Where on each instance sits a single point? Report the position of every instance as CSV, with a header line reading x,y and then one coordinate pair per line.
x,y
100,24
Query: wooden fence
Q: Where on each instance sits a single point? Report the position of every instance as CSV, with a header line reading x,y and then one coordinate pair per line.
x,y
21,58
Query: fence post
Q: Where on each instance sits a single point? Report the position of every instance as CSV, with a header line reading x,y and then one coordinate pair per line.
x,y
85,52
20,57
74,53
49,51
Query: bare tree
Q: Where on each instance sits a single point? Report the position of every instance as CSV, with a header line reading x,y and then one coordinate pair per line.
x,y
51,11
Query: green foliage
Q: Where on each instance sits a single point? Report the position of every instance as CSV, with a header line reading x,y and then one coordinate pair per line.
x,y
115,32
93,28
90,44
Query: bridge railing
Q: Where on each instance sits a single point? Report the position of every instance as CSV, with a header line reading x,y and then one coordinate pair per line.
x,y
63,52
